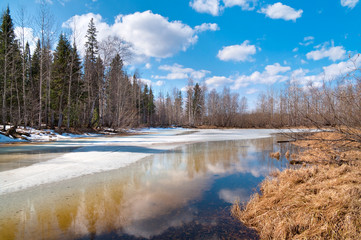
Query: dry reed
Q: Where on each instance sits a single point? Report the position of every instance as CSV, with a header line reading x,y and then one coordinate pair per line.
x,y
319,201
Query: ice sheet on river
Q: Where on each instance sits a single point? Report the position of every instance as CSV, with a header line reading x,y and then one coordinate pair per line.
x,y
109,153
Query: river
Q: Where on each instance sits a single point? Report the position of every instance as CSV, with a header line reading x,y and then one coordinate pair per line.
x,y
179,189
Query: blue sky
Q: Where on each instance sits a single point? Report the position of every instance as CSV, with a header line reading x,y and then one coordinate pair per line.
x,y
247,45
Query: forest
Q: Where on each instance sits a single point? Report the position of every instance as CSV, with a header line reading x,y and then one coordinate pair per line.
x,y
56,88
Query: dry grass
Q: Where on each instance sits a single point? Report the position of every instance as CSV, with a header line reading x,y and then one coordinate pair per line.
x,y
275,155
320,201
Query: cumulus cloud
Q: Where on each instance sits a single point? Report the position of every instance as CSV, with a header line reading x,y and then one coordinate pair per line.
x,y
207,27
329,72
349,3
177,71
146,81
159,83
237,52
217,81
215,7
333,53
271,74
212,7
280,11
28,35
151,35
247,5
231,196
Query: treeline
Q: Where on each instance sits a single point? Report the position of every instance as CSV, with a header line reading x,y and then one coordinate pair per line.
x,y
56,88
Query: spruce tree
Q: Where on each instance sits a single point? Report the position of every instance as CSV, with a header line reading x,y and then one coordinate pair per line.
x,y
60,81
7,46
90,74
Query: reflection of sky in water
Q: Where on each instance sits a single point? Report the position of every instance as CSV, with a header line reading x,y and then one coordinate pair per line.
x,y
188,189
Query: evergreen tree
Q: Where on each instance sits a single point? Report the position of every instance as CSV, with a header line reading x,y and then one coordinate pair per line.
x,y
90,74
91,44
75,89
198,104
7,47
60,77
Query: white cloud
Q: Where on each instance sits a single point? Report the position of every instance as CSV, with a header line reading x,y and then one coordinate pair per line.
x,y
207,27
44,1
159,83
245,4
146,81
333,53
275,69
349,3
342,68
329,72
148,65
231,196
237,52
280,11
212,7
271,74
252,91
151,35
177,71
217,81
295,49
307,41
28,37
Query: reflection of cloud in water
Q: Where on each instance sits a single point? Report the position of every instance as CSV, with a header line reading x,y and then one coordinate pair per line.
x,y
144,199
233,195
155,226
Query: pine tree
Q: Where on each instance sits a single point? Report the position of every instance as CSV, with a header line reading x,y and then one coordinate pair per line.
x,y
90,74
61,77
75,86
197,104
7,46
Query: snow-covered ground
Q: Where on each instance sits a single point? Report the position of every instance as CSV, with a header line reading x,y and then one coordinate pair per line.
x,y
42,135
108,153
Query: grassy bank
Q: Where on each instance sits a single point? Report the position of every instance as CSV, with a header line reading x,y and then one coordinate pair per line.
x,y
320,200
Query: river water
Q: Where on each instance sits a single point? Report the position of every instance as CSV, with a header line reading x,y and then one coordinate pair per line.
x,y
184,193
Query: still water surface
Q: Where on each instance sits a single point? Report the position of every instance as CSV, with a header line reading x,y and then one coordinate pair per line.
x,y
185,193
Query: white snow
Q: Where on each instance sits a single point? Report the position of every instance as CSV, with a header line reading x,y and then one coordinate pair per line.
x,y
109,153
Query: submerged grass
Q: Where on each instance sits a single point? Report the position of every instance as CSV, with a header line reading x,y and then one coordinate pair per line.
x,y
319,201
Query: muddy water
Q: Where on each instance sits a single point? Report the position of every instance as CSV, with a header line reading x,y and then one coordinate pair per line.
x,y
185,193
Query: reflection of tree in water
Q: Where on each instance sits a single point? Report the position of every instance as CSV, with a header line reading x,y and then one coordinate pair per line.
x,y
130,198
9,229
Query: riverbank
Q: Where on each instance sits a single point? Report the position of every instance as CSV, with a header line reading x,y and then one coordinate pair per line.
x,y
320,200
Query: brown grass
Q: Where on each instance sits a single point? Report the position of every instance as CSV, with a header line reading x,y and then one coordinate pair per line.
x,y
319,201
275,155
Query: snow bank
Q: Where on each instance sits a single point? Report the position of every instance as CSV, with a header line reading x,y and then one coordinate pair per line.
x,y
109,153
